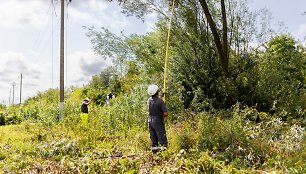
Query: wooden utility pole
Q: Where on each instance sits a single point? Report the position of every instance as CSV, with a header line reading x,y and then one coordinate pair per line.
x,y
62,41
14,84
20,88
9,102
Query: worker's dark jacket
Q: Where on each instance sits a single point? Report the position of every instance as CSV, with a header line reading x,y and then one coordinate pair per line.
x,y
157,130
110,96
84,107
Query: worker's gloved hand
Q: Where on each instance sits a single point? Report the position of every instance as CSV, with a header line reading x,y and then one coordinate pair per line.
x,y
164,94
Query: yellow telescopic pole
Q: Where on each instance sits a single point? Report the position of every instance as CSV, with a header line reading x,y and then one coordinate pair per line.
x,y
167,51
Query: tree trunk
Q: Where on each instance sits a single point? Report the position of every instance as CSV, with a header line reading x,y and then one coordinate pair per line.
x,y
225,57
222,45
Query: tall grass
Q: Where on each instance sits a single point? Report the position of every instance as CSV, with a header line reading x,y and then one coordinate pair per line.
x,y
117,140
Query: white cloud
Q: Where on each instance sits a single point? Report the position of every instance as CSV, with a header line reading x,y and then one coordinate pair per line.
x,y
37,13
19,13
82,66
98,5
12,65
78,15
98,13
26,35
301,30
12,62
150,21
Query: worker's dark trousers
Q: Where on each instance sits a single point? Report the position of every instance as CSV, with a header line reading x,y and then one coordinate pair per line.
x,y
157,133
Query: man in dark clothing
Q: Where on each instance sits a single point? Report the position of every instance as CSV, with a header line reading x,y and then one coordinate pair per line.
x,y
157,112
84,107
84,110
110,95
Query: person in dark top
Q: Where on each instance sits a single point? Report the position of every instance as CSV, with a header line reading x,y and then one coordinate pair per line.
x,y
110,96
84,110
157,112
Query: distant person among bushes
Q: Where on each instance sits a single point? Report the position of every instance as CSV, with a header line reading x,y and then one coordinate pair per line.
x,y
157,112
84,110
109,97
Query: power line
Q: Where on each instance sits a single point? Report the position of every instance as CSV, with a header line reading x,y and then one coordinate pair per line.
x,y
52,33
54,7
42,30
49,37
52,28
39,44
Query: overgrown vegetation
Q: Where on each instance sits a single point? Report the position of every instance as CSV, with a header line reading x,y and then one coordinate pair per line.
x,y
117,141
250,121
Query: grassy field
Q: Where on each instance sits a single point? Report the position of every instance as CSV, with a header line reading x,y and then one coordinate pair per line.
x,y
62,148
117,140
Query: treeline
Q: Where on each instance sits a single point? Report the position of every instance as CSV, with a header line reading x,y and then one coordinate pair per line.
x,y
270,76
263,69
244,111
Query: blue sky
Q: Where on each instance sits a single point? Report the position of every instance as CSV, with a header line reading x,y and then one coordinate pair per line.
x,y
26,39
26,43
289,12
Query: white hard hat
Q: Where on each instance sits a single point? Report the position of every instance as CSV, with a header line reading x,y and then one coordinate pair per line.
x,y
86,99
152,89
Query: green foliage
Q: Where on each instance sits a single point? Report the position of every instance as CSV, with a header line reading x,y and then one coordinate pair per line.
x,y
240,141
131,77
13,118
220,134
272,80
206,130
11,115
100,85
117,141
126,111
111,46
2,119
194,66
149,51
185,136
282,77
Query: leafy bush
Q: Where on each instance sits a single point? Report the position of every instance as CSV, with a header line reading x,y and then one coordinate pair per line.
x,y
282,77
13,118
220,133
184,136
2,119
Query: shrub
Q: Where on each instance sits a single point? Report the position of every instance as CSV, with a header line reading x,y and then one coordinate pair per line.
x,y
2,119
220,134
13,118
184,136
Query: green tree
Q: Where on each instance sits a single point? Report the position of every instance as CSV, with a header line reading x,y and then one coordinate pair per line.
x,y
282,69
221,44
131,77
110,46
100,85
203,71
